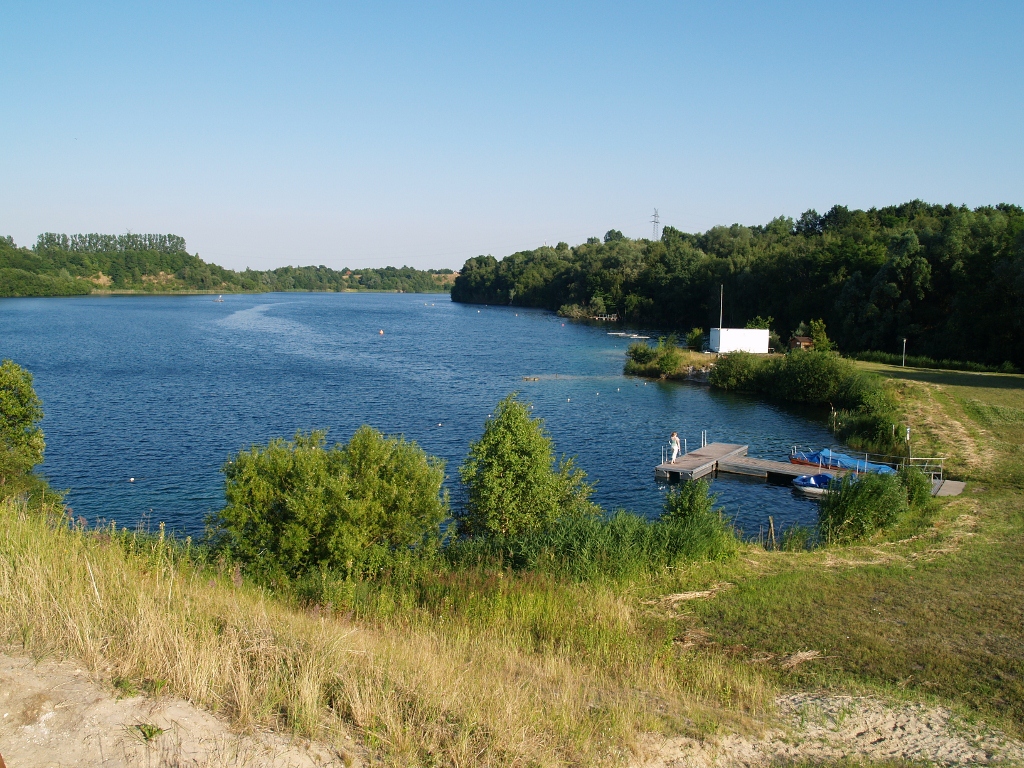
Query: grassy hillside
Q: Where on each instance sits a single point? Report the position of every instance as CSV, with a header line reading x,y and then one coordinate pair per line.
x,y
484,666
62,265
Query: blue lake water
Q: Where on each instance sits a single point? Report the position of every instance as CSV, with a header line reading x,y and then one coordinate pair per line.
x,y
163,389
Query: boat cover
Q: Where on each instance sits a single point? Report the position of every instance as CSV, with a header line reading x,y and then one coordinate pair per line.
x,y
830,459
813,481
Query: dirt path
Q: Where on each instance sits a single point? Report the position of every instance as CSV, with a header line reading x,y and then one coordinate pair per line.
x,y
52,714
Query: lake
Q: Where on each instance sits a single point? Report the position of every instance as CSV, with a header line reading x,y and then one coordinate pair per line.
x,y
164,389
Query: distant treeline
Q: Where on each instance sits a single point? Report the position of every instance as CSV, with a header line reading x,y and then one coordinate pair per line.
x,y
947,278
67,265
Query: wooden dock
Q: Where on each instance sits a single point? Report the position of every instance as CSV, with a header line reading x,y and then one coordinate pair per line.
x,y
766,469
696,464
732,458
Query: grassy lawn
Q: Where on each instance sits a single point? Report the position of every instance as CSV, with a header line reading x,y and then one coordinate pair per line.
x,y
936,608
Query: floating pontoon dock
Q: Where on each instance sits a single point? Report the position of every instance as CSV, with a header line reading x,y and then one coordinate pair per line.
x,y
732,458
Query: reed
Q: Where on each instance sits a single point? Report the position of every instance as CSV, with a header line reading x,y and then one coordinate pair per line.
x,y
858,506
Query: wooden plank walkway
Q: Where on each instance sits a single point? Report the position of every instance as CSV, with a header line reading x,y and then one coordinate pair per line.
x,y
748,465
696,464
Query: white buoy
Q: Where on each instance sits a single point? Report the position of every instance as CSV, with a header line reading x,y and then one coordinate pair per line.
x,y
131,479
381,331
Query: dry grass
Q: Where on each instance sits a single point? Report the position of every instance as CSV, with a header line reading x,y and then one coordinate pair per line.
x,y
552,674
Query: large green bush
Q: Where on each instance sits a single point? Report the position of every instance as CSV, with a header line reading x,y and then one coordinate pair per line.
x,y
21,439
641,352
808,376
294,507
738,371
512,480
866,414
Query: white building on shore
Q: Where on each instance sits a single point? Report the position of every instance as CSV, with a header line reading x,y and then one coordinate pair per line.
x,y
739,340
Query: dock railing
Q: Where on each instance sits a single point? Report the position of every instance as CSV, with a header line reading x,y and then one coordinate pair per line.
x,y
666,449
932,466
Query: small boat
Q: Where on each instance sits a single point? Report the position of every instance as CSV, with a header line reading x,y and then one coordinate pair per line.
x,y
827,459
812,485
219,298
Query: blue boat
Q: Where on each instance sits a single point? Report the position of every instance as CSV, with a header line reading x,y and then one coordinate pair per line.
x,y
812,485
828,459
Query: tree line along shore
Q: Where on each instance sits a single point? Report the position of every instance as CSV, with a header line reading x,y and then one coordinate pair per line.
x,y
948,279
74,265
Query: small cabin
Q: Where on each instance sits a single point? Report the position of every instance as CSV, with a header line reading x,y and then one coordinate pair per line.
x,y
725,340
801,342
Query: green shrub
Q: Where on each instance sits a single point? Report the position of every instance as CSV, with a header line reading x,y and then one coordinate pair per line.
x,y
669,360
298,507
809,377
738,371
866,413
641,353
695,338
21,439
512,480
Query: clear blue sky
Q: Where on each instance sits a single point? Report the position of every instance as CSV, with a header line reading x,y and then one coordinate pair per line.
x,y
395,133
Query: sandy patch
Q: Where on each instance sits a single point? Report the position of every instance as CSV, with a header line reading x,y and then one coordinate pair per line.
x,y
52,714
821,727
161,278
103,281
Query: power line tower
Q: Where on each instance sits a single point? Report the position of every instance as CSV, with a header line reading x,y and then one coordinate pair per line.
x,y
656,223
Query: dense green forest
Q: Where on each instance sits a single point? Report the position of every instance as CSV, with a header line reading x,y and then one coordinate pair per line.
x,y
948,278
67,265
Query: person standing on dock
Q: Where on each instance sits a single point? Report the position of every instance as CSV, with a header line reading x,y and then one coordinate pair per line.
x,y
674,444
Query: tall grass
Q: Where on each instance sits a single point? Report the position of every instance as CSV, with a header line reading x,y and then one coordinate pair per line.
x,y
855,507
459,668
623,546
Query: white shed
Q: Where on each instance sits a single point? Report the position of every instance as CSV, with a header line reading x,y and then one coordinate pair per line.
x,y
739,340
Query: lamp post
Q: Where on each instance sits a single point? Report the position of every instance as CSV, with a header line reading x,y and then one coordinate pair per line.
x,y
904,351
